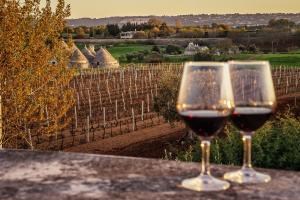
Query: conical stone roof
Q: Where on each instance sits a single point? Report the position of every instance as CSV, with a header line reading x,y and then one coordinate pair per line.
x,y
105,59
73,48
86,52
79,60
92,49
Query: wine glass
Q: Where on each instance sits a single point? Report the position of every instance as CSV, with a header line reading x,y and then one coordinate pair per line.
x,y
205,103
255,102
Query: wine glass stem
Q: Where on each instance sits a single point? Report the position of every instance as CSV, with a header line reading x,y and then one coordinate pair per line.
x,y
205,166
247,140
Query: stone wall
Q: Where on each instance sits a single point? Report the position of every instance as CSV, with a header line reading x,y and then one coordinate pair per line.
x,y
55,175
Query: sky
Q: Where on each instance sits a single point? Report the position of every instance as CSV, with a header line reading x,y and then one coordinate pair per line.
x,y
108,8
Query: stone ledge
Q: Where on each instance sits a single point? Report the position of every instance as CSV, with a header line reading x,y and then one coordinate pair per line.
x,y
57,175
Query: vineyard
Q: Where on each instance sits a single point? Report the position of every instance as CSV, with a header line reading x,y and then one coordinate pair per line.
x,y
112,102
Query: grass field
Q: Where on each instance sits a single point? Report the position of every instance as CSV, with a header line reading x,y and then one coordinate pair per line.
x,y
288,59
122,50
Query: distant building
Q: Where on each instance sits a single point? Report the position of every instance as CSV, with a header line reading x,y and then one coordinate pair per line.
x,y
133,21
192,49
127,35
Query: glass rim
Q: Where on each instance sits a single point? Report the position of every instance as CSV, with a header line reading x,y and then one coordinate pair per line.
x,y
248,62
205,64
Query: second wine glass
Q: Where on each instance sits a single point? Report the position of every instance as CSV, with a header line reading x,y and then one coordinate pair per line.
x,y
205,102
255,102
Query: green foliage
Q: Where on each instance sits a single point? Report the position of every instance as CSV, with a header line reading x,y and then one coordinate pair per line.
x,y
252,48
101,31
190,32
281,23
173,49
80,34
154,57
113,29
276,145
164,102
203,56
177,58
156,48
136,56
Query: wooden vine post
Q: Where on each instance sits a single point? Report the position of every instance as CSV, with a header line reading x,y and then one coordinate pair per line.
x,y
88,129
133,120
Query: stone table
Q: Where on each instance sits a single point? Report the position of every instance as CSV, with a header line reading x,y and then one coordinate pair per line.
x,y
56,175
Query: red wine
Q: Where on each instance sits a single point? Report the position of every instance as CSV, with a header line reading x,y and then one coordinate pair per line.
x,y
249,119
205,123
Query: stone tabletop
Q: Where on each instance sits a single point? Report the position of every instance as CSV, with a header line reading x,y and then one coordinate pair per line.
x,y
56,175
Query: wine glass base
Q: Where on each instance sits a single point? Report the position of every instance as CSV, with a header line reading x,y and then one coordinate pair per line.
x,y
204,183
247,175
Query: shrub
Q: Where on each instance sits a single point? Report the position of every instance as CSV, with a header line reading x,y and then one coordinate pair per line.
x,y
136,56
122,58
140,35
130,57
275,145
173,49
203,57
140,56
154,57
164,102
252,48
156,48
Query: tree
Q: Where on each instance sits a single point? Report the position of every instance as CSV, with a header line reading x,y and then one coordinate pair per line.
x,y
155,48
68,30
113,29
154,57
128,27
35,94
154,22
190,32
214,25
140,35
178,25
80,33
165,30
173,49
203,56
252,48
164,103
281,23
92,32
154,32
101,30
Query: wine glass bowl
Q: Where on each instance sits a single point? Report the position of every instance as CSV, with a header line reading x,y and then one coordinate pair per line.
x,y
205,102
255,102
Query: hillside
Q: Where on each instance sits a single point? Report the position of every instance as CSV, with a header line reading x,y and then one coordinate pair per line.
x,y
192,20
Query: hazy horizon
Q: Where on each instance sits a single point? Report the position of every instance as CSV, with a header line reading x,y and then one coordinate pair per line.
x,y
114,8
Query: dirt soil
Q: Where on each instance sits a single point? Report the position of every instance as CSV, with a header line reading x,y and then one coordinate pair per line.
x,y
149,142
